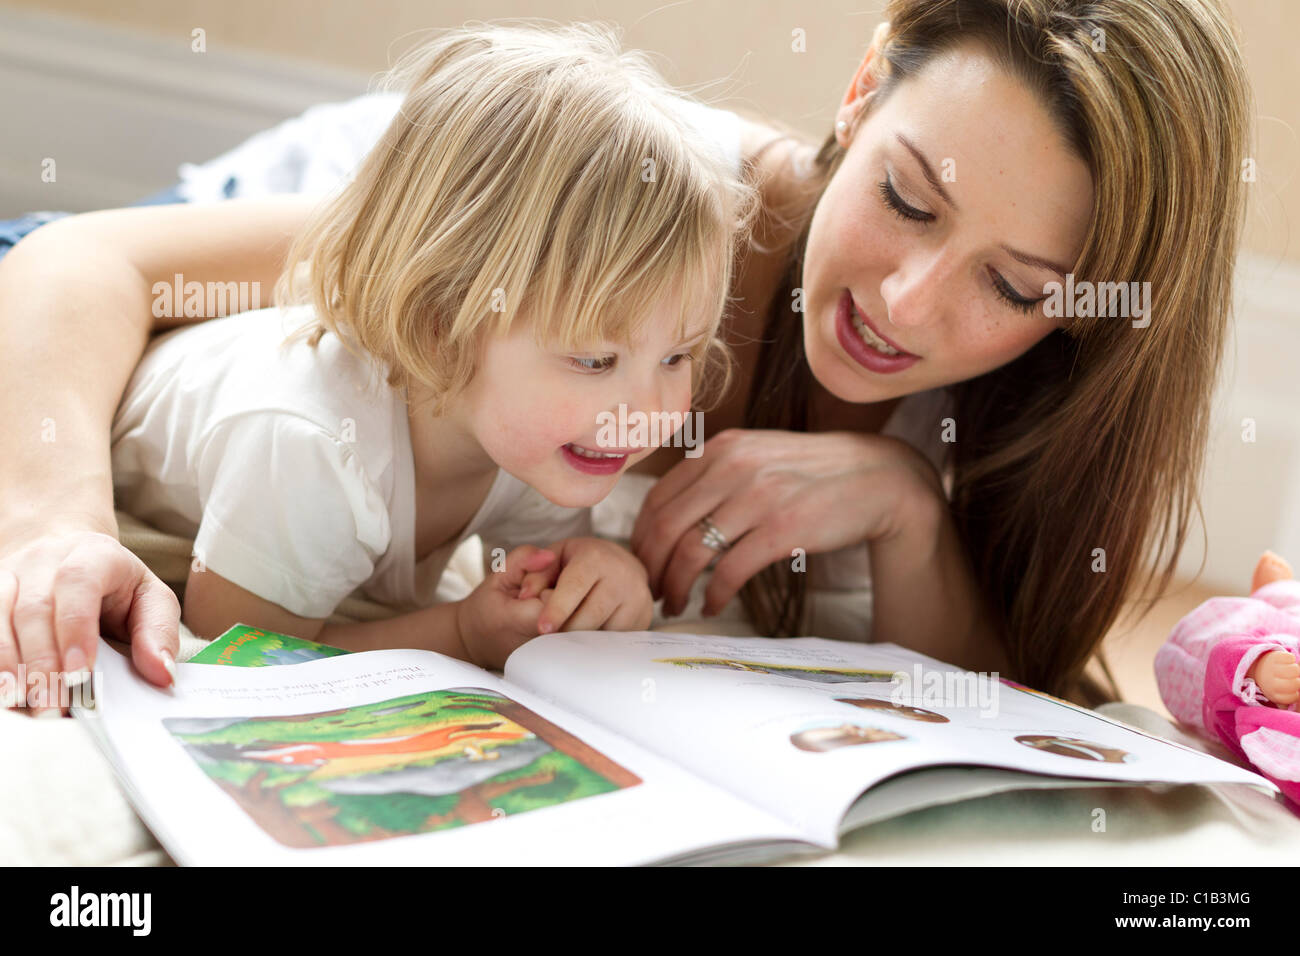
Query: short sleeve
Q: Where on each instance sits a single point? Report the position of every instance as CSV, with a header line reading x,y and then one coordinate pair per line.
x,y
288,512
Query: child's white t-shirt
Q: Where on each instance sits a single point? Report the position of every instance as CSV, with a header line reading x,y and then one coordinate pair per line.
x,y
293,468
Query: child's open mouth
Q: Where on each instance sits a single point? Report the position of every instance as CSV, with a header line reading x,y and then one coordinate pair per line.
x,y
593,461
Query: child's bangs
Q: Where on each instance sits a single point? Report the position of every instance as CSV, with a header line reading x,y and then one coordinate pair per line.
x,y
684,279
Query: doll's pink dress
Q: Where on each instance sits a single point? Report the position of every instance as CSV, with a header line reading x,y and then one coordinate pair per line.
x,y
1201,671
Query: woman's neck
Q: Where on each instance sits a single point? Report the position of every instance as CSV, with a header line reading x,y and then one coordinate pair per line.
x,y
827,413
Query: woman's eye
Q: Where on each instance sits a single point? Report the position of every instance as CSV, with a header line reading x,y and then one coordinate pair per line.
x,y
601,364
1010,296
675,360
900,208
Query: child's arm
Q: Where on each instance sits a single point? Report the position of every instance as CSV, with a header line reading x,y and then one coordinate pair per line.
x,y
483,628
213,605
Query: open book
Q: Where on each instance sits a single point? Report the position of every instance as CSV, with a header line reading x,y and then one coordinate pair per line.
x,y
595,748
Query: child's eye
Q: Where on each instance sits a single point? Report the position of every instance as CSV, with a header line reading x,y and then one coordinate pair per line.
x,y
601,364
675,360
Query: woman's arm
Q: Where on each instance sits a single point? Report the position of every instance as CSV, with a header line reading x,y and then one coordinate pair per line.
x,y
76,312
75,315
924,593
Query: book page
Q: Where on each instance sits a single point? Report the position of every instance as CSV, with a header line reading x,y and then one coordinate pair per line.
x,y
393,757
802,726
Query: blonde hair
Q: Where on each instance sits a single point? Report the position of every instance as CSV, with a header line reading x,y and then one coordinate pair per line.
x,y
530,168
1095,438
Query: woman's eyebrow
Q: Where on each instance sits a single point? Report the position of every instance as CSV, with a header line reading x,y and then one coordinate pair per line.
x,y
926,169
1029,260
1024,257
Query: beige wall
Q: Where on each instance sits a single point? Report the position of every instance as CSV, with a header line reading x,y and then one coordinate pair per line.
x,y
747,41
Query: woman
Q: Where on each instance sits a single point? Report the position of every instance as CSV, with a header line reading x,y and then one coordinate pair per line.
x,y
985,153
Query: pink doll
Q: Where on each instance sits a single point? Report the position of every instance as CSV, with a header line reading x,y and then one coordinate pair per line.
x,y
1229,669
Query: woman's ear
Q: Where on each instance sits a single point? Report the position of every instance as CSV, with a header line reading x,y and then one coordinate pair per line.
x,y
862,86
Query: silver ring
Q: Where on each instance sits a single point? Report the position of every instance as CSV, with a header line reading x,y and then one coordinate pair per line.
x,y
713,536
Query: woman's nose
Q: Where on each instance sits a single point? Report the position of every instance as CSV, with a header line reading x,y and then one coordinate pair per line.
x,y
912,292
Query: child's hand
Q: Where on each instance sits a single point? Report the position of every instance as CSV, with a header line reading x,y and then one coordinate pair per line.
x,y
596,585
494,620
1278,675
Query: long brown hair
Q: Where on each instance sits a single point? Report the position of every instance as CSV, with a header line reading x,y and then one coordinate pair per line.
x,y
1086,452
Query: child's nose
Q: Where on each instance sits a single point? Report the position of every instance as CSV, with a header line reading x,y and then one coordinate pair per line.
x,y
651,398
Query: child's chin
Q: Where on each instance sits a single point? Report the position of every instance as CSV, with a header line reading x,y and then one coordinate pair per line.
x,y
579,491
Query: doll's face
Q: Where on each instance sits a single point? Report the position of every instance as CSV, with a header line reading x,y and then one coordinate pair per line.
x,y
956,201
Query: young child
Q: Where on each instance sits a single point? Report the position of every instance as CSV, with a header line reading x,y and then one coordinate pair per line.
x,y
540,236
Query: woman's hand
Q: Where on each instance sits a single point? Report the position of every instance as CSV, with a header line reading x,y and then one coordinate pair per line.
x,y
596,585
770,493
59,590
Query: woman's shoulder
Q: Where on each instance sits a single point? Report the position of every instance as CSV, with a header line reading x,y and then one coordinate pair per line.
x,y
781,157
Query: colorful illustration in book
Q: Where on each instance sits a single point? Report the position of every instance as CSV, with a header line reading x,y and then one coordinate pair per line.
x,y
1073,747
244,646
407,765
819,675
898,710
834,736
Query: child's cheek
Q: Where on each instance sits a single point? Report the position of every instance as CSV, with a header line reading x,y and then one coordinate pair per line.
x,y
532,429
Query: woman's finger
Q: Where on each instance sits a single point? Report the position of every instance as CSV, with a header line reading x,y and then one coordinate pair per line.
x,y
11,689
97,570
751,554
33,622
154,627
139,608
735,518
680,519
660,501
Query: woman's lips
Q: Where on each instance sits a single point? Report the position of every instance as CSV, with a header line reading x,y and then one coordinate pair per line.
x,y
862,353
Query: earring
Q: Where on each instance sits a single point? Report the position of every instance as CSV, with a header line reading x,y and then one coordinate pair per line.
x,y
841,126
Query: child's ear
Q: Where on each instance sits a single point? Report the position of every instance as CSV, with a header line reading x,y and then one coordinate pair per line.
x,y
1271,567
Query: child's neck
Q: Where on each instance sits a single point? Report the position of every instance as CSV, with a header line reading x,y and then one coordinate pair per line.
x,y
444,448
